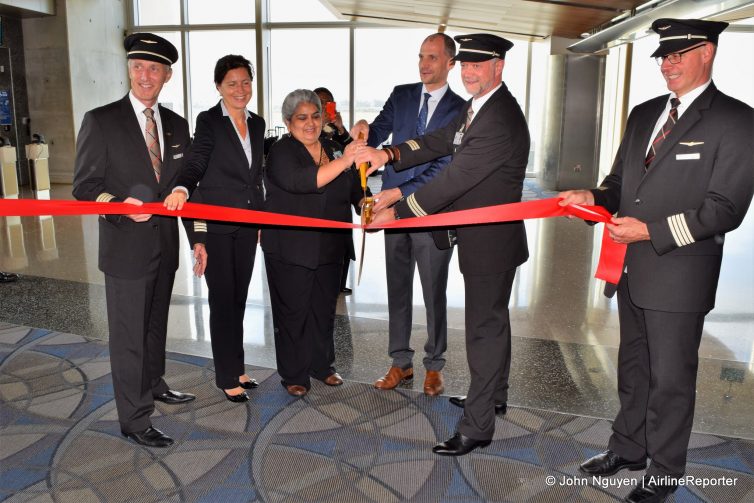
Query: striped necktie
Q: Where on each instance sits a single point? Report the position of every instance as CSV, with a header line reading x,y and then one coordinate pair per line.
x,y
663,132
153,143
469,116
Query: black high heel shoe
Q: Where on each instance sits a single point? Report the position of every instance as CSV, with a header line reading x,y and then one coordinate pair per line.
x,y
239,398
250,384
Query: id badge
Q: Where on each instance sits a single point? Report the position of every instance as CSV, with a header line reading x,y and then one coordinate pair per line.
x,y
458,138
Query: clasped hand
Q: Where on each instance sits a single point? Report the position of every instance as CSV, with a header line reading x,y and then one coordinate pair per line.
x,y
624,230
137,217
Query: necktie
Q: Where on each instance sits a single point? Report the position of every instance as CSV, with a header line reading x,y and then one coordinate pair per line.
x,y
469,116
663,132
153,142
421,120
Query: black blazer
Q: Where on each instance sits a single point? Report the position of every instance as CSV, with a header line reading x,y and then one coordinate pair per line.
x,y
488,168
112,163
291,183
698,187
217,164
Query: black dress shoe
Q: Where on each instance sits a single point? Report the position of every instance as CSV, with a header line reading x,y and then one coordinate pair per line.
x,y
250,384
241,397
346,291
609,463
458,445
173,397
151,437
460,401
8,277
647,491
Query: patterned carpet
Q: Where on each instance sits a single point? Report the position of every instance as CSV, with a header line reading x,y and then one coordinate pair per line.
x,y
60,441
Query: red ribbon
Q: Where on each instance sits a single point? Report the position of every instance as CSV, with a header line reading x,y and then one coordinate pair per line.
x,y
611,255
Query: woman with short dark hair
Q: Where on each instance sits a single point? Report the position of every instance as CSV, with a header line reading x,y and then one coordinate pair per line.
x,y
226,157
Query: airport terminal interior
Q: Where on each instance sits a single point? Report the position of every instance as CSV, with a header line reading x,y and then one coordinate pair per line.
x,y
59,437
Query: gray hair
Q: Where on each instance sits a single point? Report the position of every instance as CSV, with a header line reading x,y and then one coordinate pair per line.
x,y
295,98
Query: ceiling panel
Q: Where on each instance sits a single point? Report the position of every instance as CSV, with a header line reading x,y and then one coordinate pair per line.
x,y
527,19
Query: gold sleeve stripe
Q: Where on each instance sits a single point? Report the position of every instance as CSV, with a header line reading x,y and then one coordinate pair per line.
x,y
413,145
200,226
414,206
680,230
105,198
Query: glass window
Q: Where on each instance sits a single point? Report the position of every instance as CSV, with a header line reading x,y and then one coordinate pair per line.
x,y
514,72
646,79
376,73
306,59
205,48
730,76
375,76
220,11
282,11
612,116
540,55
158,12
171,95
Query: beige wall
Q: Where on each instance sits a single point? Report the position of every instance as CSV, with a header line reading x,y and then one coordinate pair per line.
x,y
74,62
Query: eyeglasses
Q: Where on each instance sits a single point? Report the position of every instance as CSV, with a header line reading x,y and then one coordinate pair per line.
x,y
676,57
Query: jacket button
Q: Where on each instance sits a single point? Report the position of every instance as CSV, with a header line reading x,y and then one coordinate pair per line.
x,y
248,202
637,202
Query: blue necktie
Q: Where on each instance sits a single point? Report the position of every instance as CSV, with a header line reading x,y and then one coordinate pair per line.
x,y
421,120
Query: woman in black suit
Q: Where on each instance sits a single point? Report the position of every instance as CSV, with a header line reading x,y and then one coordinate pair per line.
x,y
225,160
307,176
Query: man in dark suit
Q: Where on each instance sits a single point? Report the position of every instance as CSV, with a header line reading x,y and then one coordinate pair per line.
x,y
410,111
131,151
489,142
682,178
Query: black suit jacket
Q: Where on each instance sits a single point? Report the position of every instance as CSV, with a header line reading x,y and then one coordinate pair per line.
x,y
217,164
291,183
698,187
112,163
488,168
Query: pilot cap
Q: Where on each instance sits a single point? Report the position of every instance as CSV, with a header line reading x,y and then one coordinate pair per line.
x,y
150,47
478,47
679,34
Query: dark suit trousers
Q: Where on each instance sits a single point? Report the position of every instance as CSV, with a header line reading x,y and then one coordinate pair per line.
x,y
657,364
303,314
405,252
230,261
137,317
488,350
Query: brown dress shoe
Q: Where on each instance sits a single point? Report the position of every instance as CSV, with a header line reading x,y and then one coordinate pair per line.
x,y
394,377
296,390
333,380
433,384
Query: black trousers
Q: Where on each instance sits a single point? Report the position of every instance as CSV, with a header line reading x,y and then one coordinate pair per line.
x,y
230,261
303,314
657,363
137,318
488,350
